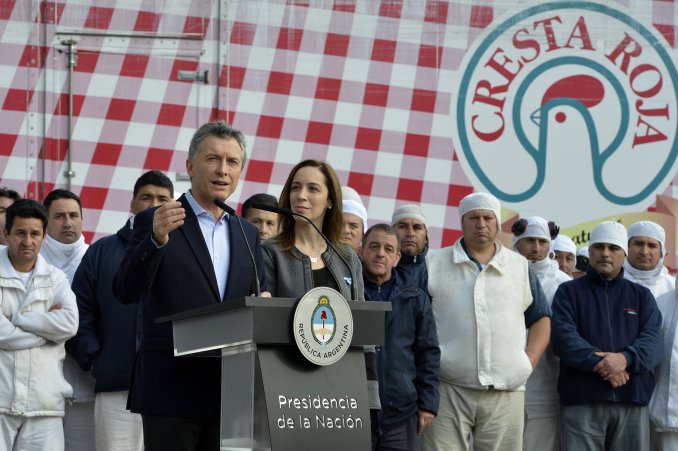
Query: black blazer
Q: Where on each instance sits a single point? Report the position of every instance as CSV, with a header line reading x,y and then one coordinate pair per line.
x,y
173,278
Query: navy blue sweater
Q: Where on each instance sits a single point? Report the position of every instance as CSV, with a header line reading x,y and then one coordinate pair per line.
x,y
591,314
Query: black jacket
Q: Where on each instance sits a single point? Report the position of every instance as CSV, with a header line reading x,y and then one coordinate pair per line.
x,y
106,338
176,277
409,362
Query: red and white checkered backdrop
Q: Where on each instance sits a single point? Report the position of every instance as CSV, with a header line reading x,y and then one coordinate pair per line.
x,y
365,84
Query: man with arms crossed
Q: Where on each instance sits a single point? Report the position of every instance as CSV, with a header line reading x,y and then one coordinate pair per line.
x,y
39,314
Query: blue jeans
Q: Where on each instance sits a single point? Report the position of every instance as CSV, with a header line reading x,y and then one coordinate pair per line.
x,y
401,438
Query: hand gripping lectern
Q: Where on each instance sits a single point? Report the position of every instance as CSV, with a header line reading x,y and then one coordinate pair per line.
x,y
272,397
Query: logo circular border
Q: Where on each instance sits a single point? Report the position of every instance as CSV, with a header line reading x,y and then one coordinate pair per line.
x,y
500,28
302,327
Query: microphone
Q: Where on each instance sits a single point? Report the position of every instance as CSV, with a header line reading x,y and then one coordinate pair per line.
x,y
288,212
231,211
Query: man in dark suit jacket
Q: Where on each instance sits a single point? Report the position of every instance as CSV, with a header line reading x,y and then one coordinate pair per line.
x,y
184,255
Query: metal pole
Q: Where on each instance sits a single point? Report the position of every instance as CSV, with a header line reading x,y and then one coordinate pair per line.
x,y
72,62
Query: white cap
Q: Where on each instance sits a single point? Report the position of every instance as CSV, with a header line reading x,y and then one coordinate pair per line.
x,y
409,211
584,252
610,232
649,229
355,208
480,201
537,227
351,203
348,193
564,243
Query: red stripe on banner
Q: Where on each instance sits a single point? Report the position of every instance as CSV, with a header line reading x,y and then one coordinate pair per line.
x,y
259,171
416,145
410,190
336,44
346,6
49,13
134,65
232,77
361,182
87,62
376,94
455,193
270,126
289,39
147,21
430,56
423,100
481,16
33,56
243,33
368,138
450,237
99,17
106,154
279,83
6,8
171,114
391,8
120,109
436,11
93,197
319,132
328,88
8,142
383,50
158,159
17,100
61,108
194,24
669,32
55,149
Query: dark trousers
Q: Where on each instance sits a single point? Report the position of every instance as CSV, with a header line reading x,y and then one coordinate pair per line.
x,y
181,434
400,438
604,426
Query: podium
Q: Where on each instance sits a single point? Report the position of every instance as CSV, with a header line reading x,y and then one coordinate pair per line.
x,y
272,398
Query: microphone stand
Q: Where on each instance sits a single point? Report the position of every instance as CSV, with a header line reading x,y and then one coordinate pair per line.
x,y
231,211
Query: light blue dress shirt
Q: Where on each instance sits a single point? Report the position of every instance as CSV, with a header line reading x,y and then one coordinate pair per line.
x,y
217,239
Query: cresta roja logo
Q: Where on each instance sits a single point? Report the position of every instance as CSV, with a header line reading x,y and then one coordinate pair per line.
x,y
568,110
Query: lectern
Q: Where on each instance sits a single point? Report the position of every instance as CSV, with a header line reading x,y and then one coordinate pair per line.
x,y
272,398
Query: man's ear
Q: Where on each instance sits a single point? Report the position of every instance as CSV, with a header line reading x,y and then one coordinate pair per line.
x,y
397,260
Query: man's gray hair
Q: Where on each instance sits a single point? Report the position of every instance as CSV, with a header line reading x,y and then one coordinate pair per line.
x,y
218,129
